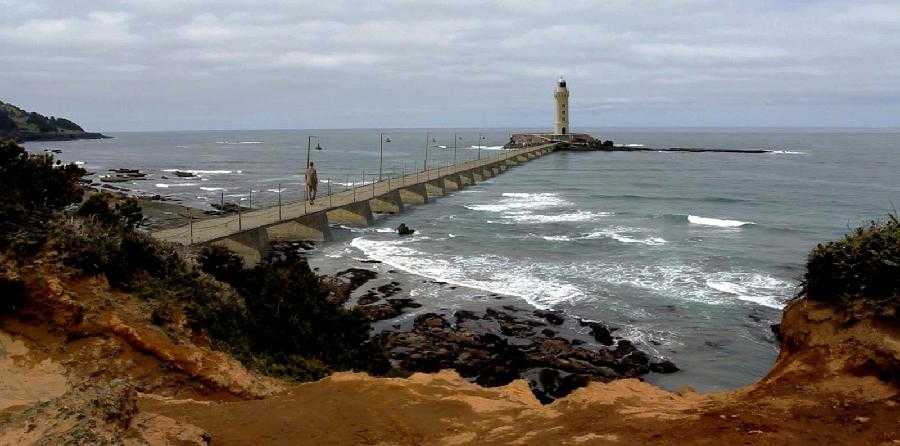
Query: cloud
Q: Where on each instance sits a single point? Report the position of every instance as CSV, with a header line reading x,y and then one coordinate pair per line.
x,y
176,62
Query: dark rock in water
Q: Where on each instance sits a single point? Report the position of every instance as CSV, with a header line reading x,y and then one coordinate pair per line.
x,y
182,174
497,347
388,310
599,331
342,284
664,366
624,347
370,261
126,171
465,315
511,325
404,230
776,330
553,317
369,298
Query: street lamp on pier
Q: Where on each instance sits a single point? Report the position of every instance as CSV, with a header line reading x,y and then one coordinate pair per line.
x,y
381,142
309,147
480,139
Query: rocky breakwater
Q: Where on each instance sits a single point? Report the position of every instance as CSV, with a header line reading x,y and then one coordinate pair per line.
x,y
495,347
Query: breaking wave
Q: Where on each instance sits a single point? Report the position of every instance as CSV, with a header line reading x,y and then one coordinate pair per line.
x,y
707,221
489,273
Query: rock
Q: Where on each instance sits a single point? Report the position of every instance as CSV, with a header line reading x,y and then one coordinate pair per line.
x,y
553,317
664,366
465,315
404,230
776,330
388,310
181,174
550,384
599,331
497,347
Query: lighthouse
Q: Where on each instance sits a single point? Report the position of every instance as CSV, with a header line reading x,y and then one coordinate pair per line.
x,y
562,108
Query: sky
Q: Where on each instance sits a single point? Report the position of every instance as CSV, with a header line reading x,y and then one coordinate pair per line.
x,y
252,64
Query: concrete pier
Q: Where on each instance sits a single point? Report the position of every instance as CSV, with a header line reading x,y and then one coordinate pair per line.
x,y
389,203
415,194
250,233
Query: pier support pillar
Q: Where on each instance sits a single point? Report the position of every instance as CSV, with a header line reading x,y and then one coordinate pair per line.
x,y
389,203
452,182
250,245
415,194
357,214
466,178
435,188
477,176
521,158
312,227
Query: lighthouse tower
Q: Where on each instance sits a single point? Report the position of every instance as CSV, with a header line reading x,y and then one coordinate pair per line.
x,y
562,108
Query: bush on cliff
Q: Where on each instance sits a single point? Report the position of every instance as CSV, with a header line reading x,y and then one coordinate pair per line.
x,y
34,188
292,329
862,270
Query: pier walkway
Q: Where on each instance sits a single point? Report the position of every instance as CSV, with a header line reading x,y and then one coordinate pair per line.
x,y
249,233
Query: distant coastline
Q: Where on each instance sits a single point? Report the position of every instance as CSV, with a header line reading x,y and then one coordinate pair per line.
x,y
21,126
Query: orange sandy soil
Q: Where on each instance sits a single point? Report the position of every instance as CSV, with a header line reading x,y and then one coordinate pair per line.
x,y
835,382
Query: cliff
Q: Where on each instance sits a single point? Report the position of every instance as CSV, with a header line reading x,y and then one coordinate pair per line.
x,y
20,125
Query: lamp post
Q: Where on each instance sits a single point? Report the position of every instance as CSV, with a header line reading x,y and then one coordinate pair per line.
x,y
309,147
426,150
480,138
455,138
381,142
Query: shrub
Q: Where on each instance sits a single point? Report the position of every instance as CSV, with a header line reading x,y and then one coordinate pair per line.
x,y
221,263
288,316
34,188
124,212
861,268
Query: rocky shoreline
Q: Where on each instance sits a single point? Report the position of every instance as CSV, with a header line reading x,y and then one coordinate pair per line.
x,y
493,346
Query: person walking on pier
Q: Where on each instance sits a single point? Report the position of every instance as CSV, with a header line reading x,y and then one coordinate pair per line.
x,y
312,183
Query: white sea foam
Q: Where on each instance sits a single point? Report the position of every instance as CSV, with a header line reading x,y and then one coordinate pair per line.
x,y
489,273
556,218
79,163
521,201
788,152
212,189
691,283
617,234
557,238
751,287
276,190
706,221
166,185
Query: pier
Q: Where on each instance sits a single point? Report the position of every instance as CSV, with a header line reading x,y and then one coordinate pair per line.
x,y
249,233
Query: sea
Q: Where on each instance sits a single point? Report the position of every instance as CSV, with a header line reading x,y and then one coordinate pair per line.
x,y
690,255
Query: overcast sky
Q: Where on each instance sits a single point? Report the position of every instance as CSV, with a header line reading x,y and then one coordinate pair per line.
x,y
248,64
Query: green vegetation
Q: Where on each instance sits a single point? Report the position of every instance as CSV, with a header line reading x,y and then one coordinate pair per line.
x,y
275,317
860,271
35,189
